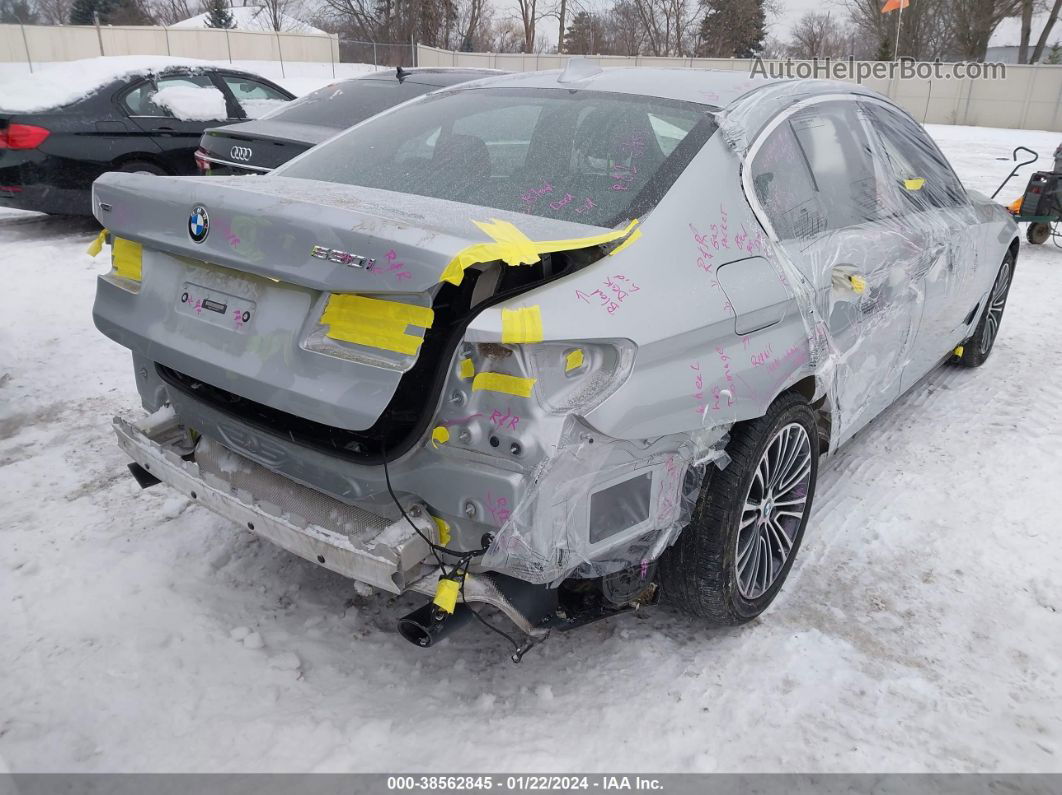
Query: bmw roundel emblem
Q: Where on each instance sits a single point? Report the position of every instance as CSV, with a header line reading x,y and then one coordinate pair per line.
x,y
198,224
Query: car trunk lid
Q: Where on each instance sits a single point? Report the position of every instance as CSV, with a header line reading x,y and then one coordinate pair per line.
x,y
261,145
252,311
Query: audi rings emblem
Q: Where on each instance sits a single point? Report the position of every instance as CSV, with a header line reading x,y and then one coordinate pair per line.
x,y
241,153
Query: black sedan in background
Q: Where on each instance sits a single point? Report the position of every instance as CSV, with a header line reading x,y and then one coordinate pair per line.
x,y
147,121
259,146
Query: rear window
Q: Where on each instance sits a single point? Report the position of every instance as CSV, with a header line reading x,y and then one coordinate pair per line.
x,y
343,105
592,157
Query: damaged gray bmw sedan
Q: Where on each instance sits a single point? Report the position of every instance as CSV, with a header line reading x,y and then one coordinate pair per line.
x,y
560,343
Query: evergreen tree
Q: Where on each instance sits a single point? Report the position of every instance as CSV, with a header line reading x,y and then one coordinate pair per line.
x,y
884,50
578,39
732,29
84,12
219,15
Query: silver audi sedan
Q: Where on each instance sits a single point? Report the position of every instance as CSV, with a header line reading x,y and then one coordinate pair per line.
x,y
562,343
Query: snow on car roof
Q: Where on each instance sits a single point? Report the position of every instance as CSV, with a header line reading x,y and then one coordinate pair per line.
x,y
62,83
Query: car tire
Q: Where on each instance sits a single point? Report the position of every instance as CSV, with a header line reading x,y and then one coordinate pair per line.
x,y
976,350
1037,233
142,167
709,571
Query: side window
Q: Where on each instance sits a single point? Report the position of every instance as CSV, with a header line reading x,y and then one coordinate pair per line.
x,y
254,97
918,169
785,188
192,97
137,102
838,152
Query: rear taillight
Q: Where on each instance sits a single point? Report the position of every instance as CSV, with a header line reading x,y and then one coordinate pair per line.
x,y
22,136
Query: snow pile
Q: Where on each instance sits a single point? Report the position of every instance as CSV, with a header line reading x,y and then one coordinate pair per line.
x,y
918,632
253,18
68,81
192,103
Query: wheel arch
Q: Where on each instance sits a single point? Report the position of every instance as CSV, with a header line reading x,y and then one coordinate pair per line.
x,y
146,157
808,388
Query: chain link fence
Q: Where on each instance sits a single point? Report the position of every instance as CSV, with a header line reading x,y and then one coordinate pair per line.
x,y
377,53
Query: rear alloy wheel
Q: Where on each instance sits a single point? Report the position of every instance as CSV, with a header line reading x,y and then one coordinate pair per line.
x,y
976,349
730,562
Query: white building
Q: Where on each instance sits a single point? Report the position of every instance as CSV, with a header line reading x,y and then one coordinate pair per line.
x,y
251,18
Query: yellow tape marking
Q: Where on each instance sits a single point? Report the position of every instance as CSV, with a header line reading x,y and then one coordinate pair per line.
x,y
522,325
444,530
637,233
446,593
958,350
506,384
439,436
126,257
914,184
96,246
467,369
513,247
375,323
574,360
859,284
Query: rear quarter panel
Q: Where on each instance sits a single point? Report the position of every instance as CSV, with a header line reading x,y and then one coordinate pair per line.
x,y
693,369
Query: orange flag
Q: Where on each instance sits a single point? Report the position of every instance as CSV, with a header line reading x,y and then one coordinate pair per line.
x,y
894,5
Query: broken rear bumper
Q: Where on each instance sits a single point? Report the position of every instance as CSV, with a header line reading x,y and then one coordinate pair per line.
x,y
348,540
376,550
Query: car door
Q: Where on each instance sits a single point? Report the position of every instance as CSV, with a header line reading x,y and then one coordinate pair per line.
x,y
937,213
817,180
173,109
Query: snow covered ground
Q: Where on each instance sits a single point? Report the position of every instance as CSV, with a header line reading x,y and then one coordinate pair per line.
x,y
919,631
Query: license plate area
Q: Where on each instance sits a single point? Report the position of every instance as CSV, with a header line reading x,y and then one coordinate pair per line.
x,y
216,307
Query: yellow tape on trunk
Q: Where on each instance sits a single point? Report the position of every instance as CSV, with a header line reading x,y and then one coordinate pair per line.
x,y
513,247
375,323
914,184
522,325
506,384
126,257
637,233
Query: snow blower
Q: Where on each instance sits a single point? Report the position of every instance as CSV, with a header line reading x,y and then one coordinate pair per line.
x,y
1040,205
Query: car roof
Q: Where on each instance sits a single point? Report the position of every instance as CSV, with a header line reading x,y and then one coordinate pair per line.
x,y
433,76
718,88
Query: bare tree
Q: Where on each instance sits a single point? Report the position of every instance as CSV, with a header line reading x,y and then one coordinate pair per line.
x,y
529,16
623,31
277,12
1052,17
818,35
928,30
974,21
669,26
53,12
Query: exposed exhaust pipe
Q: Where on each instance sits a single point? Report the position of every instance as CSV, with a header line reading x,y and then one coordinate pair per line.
x,y
428,625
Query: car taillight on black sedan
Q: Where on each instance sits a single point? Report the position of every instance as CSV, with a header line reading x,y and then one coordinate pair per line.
x,y
22,136
201,163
